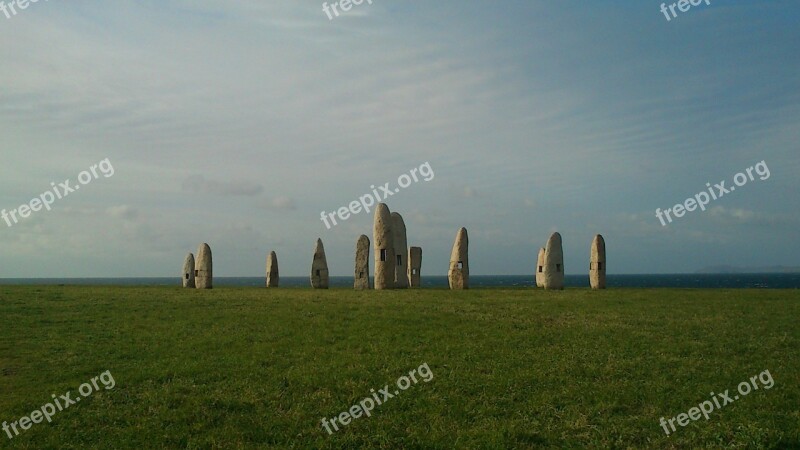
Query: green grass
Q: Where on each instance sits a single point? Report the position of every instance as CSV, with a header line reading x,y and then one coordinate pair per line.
x,y
258,368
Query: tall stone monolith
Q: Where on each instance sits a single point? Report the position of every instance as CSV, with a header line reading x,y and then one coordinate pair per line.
x,y
597,263
319,267
203,268
400,251
383,240
188,271
540,268
554,263
273,276
362,263
458,275
415,266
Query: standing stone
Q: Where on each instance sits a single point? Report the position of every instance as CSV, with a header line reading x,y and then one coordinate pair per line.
x,y
188,271
458,275
597,263
540,269
384,248
414,266
554,263
400,251
203,269
319,268
362,263
272,270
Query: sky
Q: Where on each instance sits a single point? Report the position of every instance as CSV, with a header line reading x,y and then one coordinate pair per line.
x,y
238,123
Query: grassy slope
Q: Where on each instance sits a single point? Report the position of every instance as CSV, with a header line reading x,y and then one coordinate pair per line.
x,y
243,368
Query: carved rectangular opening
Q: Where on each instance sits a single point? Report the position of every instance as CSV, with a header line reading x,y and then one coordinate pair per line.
x,y
399,260
187,276
413,271
383,254
360,274
541,269
317,272
599,266
460,264
558,267
197,273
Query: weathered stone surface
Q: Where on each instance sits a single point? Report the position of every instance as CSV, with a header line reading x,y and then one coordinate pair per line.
x,y
319,267
273,277
400,251
597,263
383,240
540,268
458,275
188,271
203,268
362,263
554,263
415,266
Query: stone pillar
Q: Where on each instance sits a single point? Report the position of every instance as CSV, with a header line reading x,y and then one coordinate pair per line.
x,y
273,278
400,251
203,269
188,271
458,275
597,263
319,267
554,263
540,268
415,266
383,240
362,263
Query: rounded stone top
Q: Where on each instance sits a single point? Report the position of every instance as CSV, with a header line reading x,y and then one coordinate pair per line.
x,y
203,251
397,220
460,246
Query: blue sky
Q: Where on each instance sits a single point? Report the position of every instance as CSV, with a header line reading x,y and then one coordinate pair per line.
x,y
237,123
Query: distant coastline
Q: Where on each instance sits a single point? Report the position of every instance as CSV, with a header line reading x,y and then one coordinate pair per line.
x,y
746,270
695,280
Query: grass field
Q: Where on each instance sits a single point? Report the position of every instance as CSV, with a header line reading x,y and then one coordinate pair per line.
x,y
258,368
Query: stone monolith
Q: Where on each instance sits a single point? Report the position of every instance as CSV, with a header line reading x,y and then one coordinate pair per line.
x,y
458,275
203,269
400,251
597,263
188,271
540,268
273,277
554,263
362,263
319,267
415,266
383,240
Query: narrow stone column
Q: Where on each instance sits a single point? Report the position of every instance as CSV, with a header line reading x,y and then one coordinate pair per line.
x,y
415,266
203,272
540,268
597,263
362,263
319,267
188,271
273,277
383,240
458,274
400,251
554,263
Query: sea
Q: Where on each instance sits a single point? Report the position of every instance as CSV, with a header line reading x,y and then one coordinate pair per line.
x,y
695,281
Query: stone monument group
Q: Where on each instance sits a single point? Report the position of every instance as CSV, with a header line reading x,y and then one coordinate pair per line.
x,y
399,267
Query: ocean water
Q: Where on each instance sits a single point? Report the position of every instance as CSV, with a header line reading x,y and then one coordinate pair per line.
x,y
711,281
